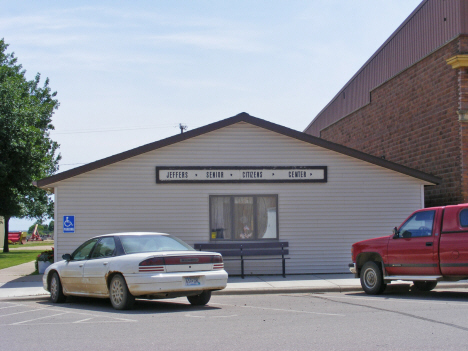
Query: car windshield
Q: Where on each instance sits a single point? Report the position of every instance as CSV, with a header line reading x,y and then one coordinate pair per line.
x,y
152,243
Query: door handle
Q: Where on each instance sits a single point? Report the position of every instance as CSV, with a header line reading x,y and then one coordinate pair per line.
x,y
81,265
105,263
429,243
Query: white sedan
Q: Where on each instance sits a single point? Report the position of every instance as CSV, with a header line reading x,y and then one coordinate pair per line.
x,y
127,265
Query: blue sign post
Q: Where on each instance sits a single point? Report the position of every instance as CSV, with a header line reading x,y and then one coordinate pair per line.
x,y
68,224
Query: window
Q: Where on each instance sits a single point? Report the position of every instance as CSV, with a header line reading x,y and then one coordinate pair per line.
x,y
82,253
464,218
105,248
419,224
152,243
249,217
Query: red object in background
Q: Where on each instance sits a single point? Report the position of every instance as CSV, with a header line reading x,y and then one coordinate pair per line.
x,y
35,235
14,237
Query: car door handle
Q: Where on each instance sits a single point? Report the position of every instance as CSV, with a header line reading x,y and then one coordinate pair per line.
x,y
429,243
105,263
81,265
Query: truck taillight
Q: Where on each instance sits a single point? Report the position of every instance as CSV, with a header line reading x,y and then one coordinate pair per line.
x,y
218,262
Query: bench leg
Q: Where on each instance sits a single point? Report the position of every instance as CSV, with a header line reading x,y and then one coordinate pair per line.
x,y
242,267
284,267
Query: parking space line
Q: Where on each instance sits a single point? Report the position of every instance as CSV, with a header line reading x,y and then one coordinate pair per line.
x,y
1,308
35,319
282,310
386,299
12,314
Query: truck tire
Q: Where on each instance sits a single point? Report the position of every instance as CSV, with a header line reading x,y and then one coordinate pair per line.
x,y
372,279
424,285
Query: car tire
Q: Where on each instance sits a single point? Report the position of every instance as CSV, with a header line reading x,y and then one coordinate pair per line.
x,y
56,289
120,296
372,279
200,300
425,285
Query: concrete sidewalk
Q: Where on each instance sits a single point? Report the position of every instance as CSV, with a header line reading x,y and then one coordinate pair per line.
x,y
17,282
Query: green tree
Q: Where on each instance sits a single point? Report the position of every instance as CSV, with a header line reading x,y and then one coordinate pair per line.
x,y
26,151
42,229
51,227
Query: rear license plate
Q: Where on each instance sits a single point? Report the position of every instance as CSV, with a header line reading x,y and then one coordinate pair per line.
x,y
192,281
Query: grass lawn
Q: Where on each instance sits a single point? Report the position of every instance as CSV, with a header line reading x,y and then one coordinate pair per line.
x,y
16,257
34,243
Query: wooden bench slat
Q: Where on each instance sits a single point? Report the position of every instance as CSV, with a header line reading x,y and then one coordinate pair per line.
x,y
248,249
246,245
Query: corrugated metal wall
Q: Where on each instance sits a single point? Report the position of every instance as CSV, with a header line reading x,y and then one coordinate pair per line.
x,y
431,25
320,220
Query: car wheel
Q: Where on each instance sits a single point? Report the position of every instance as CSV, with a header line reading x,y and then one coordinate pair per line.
x,y
200,300
372,279
120,297
56,290
425,285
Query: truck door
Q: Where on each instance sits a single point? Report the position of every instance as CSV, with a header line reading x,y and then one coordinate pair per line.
x,y
413,251
454,241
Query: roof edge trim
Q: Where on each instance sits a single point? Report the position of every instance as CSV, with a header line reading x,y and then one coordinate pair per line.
x,y
241,117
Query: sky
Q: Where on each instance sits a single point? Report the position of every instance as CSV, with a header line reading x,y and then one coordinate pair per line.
x,y
127,73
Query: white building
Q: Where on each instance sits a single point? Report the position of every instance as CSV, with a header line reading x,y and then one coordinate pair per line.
x,y
241,179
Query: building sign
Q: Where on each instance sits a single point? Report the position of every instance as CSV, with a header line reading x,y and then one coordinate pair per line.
x,y
248,174
68,224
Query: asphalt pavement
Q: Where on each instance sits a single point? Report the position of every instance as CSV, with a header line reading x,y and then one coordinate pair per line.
x,y
17,281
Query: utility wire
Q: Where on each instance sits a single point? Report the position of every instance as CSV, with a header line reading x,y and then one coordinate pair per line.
x,y
116,129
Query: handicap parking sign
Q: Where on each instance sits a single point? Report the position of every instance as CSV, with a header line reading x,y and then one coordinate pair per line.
x,y
68,224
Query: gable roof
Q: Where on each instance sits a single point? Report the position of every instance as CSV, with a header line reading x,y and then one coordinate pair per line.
x,y
241,117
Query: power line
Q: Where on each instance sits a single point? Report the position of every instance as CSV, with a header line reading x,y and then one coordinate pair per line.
x,y
116,129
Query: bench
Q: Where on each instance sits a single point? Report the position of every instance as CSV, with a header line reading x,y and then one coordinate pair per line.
x,y
246,249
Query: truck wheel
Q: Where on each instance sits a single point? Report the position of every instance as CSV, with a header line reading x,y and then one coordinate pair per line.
x,y
425,285
372,279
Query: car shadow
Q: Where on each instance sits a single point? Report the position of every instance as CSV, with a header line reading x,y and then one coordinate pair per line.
x,y
141,306
409,292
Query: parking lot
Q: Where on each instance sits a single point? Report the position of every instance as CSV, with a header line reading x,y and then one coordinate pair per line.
x,y
320,321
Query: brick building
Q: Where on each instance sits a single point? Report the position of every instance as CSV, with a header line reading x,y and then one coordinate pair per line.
x,y
409,102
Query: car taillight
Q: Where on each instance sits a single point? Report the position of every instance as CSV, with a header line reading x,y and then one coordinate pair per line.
x,y
218,262
153,264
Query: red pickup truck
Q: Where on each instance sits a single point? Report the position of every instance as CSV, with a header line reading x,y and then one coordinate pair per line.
x,y
430,246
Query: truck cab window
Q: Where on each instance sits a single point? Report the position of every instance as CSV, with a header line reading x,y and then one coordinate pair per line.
x,y
418,225
464,218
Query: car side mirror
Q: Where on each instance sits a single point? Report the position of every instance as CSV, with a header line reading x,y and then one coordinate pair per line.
x,y
396,234
66,257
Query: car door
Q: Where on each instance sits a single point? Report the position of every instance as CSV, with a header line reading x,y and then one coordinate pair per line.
x,y
71,273
411,251
97,267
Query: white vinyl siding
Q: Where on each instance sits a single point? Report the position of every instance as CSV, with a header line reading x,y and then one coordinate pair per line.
x,y
320,220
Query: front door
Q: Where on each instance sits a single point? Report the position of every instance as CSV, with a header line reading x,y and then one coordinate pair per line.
x,y
412,252
97,267
71,274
